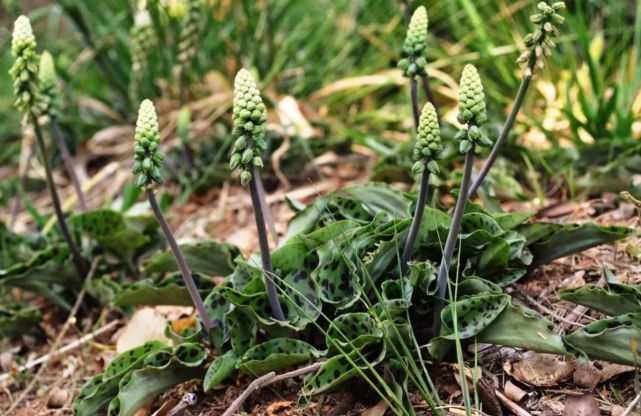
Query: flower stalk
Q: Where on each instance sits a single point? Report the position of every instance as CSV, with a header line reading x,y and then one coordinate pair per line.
x,y
473,113
30,102
427,149
249,117
47,79
148,160
539,44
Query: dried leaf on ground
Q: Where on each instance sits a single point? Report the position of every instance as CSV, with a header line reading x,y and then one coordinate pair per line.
x,y
584,405
145,325
541,370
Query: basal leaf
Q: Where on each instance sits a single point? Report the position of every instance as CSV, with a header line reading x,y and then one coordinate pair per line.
x,y
574,238
602,300
16,320
276,354
339,369
169,291
135,390
352,331
378,197
473,314
223,367
207,257
520,328
616,340
95,395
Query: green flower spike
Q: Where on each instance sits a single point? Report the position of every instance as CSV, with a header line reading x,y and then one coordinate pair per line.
x,y
428,145
148,158
25,67
413,61
188,41
539,42
47,78
142,40
249,117
472,111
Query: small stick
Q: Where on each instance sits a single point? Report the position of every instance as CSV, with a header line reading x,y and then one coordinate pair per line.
x,y
67,160
452,236
628,410
552,313
71,319
62,222
266,380
71,346
180,260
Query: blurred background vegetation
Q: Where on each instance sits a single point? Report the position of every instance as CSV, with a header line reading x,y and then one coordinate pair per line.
x,y
578,133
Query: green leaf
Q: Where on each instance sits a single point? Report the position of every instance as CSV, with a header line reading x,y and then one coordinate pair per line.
x,y
16,320
509,221
339,369
521,328
378,197
616,340
276,354
399,378
110,229
602,300
473,314
223,367
574,238
208,257
169,291
95,395
140,386
352,331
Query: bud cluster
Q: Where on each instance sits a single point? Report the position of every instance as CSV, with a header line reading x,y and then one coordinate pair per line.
x,y
47,79
249,117
188,41
428,145
142,41
539,42
147,155
413,60
472,111
25,68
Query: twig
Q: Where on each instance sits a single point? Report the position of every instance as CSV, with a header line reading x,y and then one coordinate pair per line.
x,y
513,407
253,386
552,313
631,406
266,380
70,321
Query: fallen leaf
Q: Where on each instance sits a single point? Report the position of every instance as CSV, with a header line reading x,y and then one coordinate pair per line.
x,y
587,375
145,325
276,407
541,370
610,370
584,405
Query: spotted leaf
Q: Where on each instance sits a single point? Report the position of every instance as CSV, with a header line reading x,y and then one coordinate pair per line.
x,y
276,354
